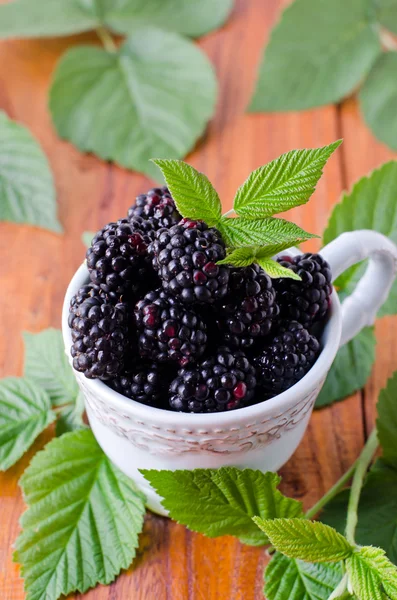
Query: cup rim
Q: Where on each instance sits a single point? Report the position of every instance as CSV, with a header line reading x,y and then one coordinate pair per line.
x,y
330,341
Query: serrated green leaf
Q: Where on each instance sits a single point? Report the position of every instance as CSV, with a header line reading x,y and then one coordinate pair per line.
x,y
386,422
350,370
277,233
287,181
387,14
153,97
377,513
86,238
47,364
378,99
371,573
291,579
225,500
275,270
83,519
240,257
70,417
306,540
23,18
27,192
194,194
25,411
317,54
371,204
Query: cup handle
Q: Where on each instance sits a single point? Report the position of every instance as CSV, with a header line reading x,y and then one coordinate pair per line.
x,y
361,307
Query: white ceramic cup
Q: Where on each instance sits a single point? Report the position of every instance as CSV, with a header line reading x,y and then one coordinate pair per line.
x,y
263,436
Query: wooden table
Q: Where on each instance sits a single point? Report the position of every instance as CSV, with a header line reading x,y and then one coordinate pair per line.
x,y
36,266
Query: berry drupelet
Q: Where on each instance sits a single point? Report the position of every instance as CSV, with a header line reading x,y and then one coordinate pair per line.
x,y
250,308
117,259
286,358
143,383
225,381
169,331
157,207
99,333
185,257
308,300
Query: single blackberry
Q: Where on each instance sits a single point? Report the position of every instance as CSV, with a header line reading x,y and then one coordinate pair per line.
x,y
286,358
118,261
308,300
157,207
169,331
225,381
143,383
185,257
99,333
248,311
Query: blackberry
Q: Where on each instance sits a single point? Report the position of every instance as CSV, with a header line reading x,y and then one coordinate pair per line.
x,y
186,256
286,358
308,300
117,259
169,331
143,383
99,333
225,381
157,207
248,311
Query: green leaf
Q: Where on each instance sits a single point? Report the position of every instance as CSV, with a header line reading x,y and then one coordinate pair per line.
x,y
275,270
153,97
242,257
386,423
27,192
307,540
287,181
24,18
86,238
194,194
279,234
25,411
387,14
371,573
378,98
70,417
350,369
371,204
184,16
291,579
225,500
377,513
83,519
47,364
317,54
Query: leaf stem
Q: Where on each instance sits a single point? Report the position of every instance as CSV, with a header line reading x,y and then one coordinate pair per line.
x,y
106,39
363,463
229,212
332,492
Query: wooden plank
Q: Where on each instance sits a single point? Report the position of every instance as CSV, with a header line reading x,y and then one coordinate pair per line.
x,y
173,563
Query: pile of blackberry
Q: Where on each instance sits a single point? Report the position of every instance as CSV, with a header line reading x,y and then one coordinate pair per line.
x,y
163,324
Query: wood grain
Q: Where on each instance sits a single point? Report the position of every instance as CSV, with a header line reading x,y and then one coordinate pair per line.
x,y
36,266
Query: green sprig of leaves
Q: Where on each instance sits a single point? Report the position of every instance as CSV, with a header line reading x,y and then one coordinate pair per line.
x,y
320,52
254,236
